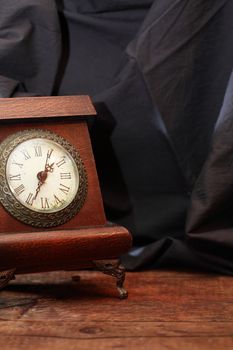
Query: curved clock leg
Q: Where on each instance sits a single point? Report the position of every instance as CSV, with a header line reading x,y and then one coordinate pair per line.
x,y
114,269
6,277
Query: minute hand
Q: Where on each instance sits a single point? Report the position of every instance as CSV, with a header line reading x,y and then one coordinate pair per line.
x,y
47,158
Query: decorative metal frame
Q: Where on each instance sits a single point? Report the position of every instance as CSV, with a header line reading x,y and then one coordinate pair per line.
x,y
19,211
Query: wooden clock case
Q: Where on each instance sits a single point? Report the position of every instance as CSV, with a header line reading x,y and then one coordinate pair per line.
x,y
85,241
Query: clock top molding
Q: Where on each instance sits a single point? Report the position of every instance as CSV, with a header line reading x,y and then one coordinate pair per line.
x,y
49,106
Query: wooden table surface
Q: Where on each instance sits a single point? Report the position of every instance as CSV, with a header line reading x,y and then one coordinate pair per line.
x,y
164,310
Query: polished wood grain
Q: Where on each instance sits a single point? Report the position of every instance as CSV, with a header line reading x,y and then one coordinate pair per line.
x,y
45,106
164,310
61,249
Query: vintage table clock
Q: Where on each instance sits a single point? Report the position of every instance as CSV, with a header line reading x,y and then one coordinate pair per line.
x,y
51,213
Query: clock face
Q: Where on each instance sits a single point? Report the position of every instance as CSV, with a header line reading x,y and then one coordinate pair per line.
x,y
43,180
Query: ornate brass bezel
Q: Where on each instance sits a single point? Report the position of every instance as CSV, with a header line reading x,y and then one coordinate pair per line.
x,y
19,211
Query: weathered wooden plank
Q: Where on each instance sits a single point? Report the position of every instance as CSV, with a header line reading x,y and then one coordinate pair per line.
x,y
42,311
94,298
141,343
109,329
138,312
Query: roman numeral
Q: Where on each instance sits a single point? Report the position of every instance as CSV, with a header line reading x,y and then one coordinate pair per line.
x,y
18,164
20,189
61,162
65,189
29,199
50,151
65,176
15,177
26,154
57,200
38,151
44,203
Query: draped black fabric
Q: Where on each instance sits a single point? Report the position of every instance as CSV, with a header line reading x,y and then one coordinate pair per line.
x,y
30,46
160,74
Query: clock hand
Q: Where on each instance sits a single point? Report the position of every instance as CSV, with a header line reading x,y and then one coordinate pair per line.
x,y
40,183
47,158
49,168
42,176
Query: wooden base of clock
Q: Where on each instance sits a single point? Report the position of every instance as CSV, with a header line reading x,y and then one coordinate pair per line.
x,y
84,241
70,250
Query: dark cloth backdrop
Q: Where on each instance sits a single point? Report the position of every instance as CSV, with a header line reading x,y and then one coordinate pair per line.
x,y
159,73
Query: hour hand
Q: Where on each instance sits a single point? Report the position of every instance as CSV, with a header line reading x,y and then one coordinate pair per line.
x,y
42,176
40,183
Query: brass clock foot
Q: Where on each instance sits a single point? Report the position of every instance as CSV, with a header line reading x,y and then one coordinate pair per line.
x,y
114,269
6,277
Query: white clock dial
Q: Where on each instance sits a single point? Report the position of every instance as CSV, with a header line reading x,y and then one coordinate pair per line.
x,y
42,175
43,181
